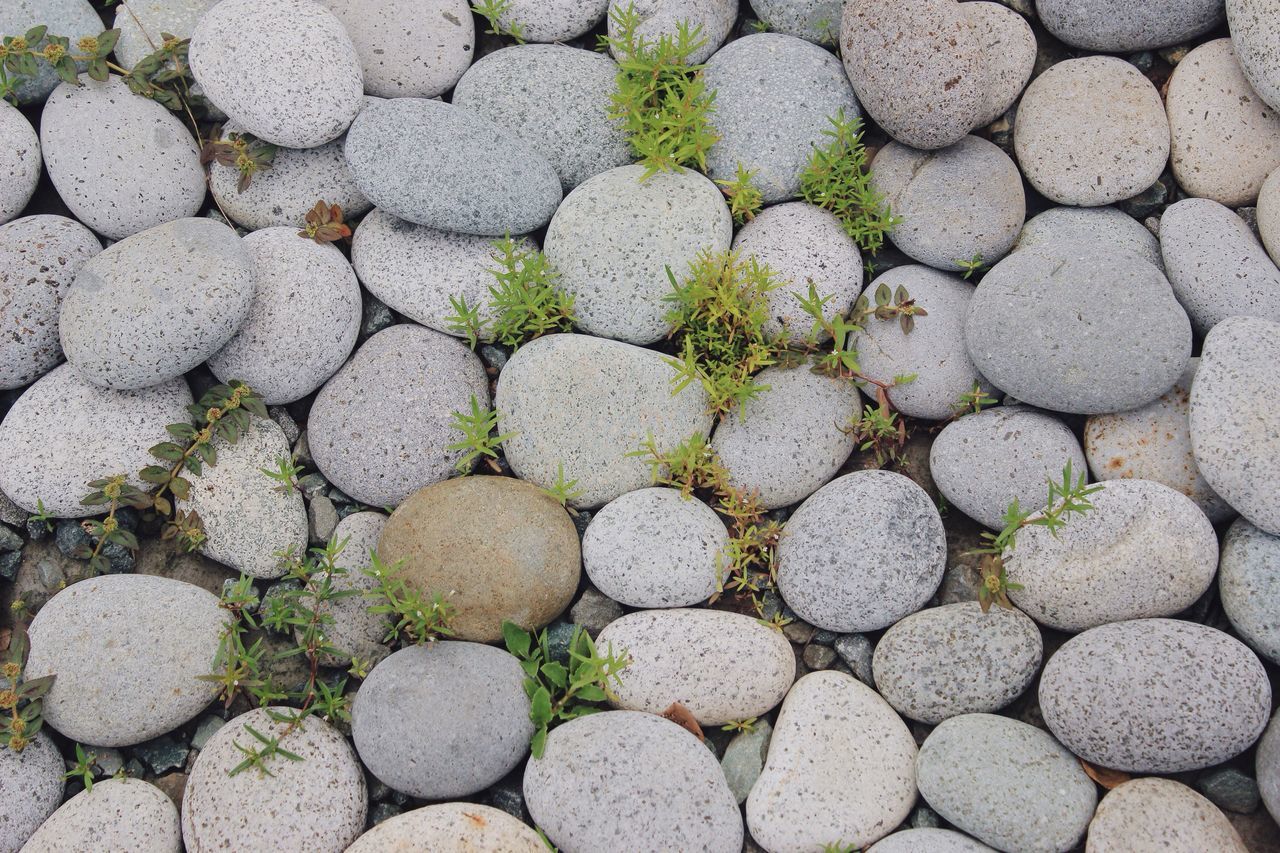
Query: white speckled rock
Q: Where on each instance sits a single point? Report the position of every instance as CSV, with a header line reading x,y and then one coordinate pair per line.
x,y
63,432
1249,586
1150,815
1269,215
1268,767
1068,229
303,322
721,666
118,814
585,403
663,17
1091,131
409,48
354,630
142,21
552,20
19,162
614,236
862,552
788,442
1007,783
655,548
94,699
1147,696
1144,550
316,804
841,766
140,168
31,786
934,350
1153,443
284,70
513,86
817,21
1127,26
955,659
1009,45
379,429
1255,32
71,18
928,838
39,258
451,828
1235,425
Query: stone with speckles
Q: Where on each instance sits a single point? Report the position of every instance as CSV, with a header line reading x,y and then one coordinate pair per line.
x,y
1009,47
841,765
552,20
31,784
1269,214
317,804
1151,814
118,814
1249,586
1147,696
654,787
1066,229
1267,764
817,21
1128,26
354,631
74,19
409,48
660,18
929,838
19,162
142,21
1255,32
451,826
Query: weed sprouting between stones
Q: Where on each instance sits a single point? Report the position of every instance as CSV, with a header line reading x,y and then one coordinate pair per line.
x,y
524,301
479,441
21,699
837,178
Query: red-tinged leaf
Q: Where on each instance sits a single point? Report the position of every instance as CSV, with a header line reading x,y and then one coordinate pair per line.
x,y
1105,776
683,717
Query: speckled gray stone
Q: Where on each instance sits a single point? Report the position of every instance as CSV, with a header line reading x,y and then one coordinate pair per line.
x,y
355,631
1127,26
841,766
1216,265
862,552
744,758
1147,696
775,95
654,787
552,20
1153,442
31,784
1010,48
660,18
1255,32
721,666
450,826
789,441
443,720
379,429
655,548
19,162
63,432
142,21
303,322
817,21
450,168
585,403
934,350
1235,425
1151,814
1143,550
140,167
1269,214
1091,131
1268,767
408,50
955,659
614,236
856,651
513,86
928,838
1083,331
1065,230
954,203
1006,783
1249,586
71,18
39,258
118,814
284,70
95,698
317,804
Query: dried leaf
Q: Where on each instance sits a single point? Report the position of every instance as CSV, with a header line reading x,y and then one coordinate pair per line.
x,y
1105,776
683,717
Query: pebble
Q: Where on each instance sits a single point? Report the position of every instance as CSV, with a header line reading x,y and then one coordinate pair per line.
x,y
1255,32
140,169
39,258
1229,789
1091,131
862,552
94,699
1160,814
856,651
31,786
1153,443
317,804
655,548
711,20
744,758
450,168
142,21
1268,212
63,432
303,321
560,396
19,162
1216,264
1268,767
955,659
984,461
928,838
817,21
553,20
721,666
1067,230
71,18
615,236
409,49
1249,587
1127,26
1011,52
513,86
380,428
1006,783
790,440
1235,426
775,96
118,814
1147,696
134,319
1111,336
626,780
355,631
594,610
934,351
530,568
450,826
841,767
284,70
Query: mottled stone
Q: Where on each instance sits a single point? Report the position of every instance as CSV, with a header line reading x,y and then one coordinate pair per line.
x,y
73,19
552,20
1249,586
1255,33
1126,26
711,19
1268,767
1066,230
450,827
1149,815
118,814
31,788
1010,49
19,162
355,631
142,21
817,21
928,838
1268,212
414,49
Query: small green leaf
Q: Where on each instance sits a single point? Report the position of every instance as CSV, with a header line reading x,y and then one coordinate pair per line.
x,y
538,745
516,639
556,673
540,707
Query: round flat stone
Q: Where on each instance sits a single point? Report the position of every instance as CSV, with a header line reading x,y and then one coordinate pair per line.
x,y
710,19
817,21
1160,814
552,20
1065,230
19,162
1269,214
118,814
928,838
1268,767
73,19
1249,586
1255,32
446,826
1127,26
31,783
143,20
409,49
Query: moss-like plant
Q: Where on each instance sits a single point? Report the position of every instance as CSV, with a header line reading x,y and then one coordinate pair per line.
x,y
837,179
744,198
478,428
413,616
21,698
494,11
525,301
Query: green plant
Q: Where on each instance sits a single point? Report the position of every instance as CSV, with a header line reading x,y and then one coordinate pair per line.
x,y
413,616
745,199
972,401
881,430
839,847
888,305
557,692
42,516
493,11
524,303
740,726
837,179
22,699
842,330
256,756
660,101
324,224
478,439
971,266
286,474
238,662
83,769
243,152
563,489
111,491
22,55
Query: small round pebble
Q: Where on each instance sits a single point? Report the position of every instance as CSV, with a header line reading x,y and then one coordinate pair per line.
x,y
1249,586
409,48
31,783
118,814
450,828
1255,33
710,19
19,162
1128,26
1011,52
1065,230
1150,814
